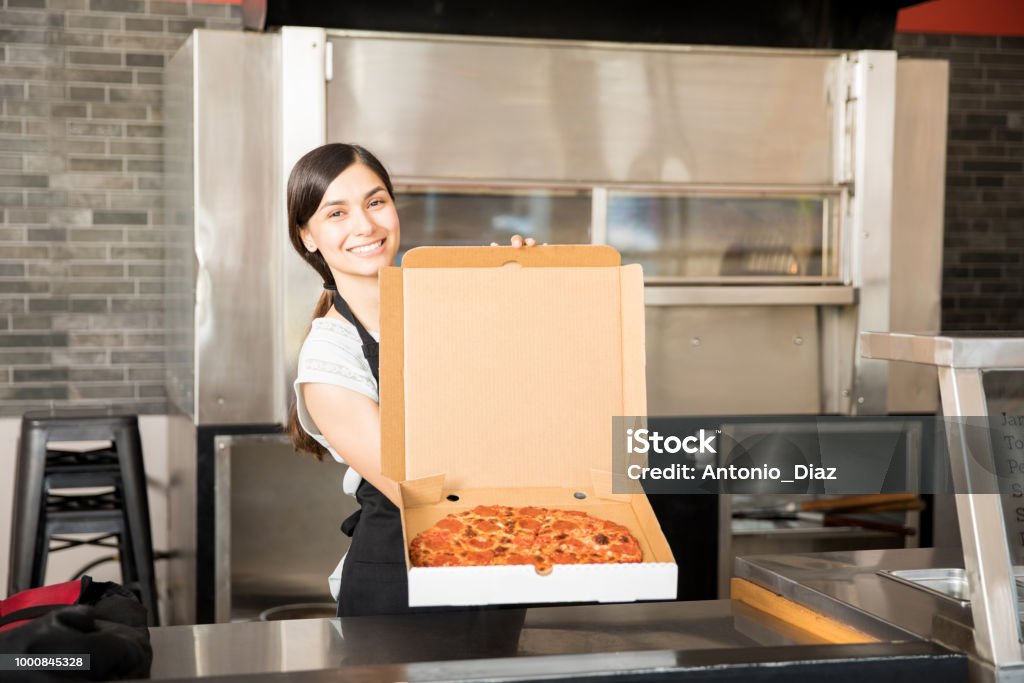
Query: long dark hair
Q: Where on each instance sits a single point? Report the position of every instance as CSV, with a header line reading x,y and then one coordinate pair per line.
x,y
308,182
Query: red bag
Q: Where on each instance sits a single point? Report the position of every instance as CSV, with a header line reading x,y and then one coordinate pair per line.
x,y
101,619
36,602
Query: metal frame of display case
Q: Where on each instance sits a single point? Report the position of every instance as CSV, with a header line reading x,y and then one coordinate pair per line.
x,y
961,363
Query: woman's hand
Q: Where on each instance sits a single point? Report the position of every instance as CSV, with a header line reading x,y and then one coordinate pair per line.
x,y
518,241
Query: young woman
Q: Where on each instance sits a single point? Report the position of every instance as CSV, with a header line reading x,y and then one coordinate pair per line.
x,y
342,220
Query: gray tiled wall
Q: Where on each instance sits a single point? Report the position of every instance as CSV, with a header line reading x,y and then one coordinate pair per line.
x,y
81,255
983,281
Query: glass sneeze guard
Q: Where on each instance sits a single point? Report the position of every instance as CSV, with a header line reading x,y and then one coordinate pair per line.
x,y
981,381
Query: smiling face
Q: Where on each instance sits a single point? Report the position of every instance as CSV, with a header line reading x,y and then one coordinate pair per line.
x,y
356,227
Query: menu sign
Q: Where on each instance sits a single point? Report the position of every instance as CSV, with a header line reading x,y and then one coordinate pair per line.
x,y
1004,392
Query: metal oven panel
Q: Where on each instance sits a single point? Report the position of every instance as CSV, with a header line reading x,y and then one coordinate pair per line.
x,y
544,110
919,168
181,521
303,112
179,238
697,365
273,493
237,258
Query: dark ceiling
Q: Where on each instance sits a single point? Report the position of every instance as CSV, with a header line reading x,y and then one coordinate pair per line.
x,y
843,24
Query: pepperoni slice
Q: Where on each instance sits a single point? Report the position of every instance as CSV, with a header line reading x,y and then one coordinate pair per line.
x,y
528,524
437,542
450,524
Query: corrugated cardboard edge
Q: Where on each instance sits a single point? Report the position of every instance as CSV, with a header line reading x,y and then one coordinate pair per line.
x,y
602,482
634,397
391,386
424,491
547,256
634,350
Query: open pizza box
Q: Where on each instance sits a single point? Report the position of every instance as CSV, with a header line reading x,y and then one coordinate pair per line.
x,y
501,370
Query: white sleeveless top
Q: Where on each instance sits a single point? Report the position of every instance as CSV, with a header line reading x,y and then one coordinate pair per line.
x,y
333,354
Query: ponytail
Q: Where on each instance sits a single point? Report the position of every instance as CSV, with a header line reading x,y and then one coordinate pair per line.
x,y
302,442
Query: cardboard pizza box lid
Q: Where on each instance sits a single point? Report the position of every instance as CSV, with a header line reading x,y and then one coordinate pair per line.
x,y
502,367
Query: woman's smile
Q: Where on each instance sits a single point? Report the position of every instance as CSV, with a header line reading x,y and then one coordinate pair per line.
x,y
370,249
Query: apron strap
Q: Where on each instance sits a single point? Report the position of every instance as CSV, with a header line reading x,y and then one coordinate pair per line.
x,y
371,349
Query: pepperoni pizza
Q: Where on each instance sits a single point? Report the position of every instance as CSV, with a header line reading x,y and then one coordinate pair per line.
x,y
542,537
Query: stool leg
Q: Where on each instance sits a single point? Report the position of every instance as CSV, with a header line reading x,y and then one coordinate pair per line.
x,y
27,522
126,558
42,554
136,505
41,548
126,555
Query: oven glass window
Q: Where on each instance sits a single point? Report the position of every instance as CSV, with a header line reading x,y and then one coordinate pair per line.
x,y
711,237
439,216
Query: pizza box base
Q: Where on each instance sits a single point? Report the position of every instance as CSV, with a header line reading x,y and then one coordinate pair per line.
x,y
653,579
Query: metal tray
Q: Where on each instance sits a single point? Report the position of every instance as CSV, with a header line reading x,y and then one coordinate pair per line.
x,y
950,584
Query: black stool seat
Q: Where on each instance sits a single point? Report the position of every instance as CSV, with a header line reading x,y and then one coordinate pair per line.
x,y
108,500
74,469
60,459
82,478
43,506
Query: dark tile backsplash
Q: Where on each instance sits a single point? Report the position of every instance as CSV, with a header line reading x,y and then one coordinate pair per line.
x,y
81,255
983,284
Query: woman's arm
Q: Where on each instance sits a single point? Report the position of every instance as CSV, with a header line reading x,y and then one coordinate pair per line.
x,y
351,424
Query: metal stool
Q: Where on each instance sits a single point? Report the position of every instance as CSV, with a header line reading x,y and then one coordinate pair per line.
x,y
122,512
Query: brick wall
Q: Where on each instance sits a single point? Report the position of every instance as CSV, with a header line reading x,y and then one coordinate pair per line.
x,y
81,256
983,282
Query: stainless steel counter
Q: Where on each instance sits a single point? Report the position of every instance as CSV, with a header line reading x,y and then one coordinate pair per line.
x,y
848,587
722,640
186,651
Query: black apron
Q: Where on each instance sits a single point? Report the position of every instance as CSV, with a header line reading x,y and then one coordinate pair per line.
x,y
374,578
375,581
